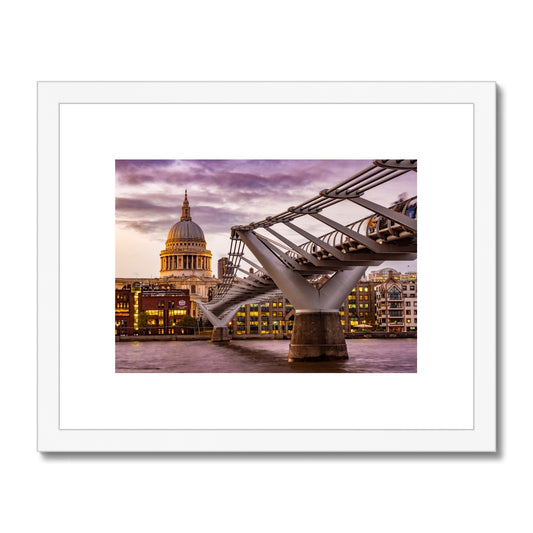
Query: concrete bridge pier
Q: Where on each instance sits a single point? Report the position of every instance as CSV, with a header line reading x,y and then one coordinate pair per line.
x,y
220,334
220,324
317,333
317,336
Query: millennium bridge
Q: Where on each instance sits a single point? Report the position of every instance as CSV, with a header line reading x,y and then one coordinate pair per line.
x,y
298,270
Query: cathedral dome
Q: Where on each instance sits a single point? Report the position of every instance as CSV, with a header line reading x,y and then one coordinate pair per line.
x,y
185,253
185,230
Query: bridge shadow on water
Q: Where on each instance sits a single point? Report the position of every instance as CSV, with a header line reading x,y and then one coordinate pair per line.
x,y
265,360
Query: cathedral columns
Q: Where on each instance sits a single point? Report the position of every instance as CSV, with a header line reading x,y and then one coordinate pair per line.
x,y
185,262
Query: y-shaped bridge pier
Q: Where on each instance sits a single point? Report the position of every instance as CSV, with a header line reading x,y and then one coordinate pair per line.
x,y
298,270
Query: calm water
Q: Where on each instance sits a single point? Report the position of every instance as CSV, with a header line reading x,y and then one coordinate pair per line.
x,y
366,355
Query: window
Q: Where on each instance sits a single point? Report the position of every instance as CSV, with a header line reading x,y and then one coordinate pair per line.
x,y
395,294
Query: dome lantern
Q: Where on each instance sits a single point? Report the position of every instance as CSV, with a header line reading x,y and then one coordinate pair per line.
x,y
185,209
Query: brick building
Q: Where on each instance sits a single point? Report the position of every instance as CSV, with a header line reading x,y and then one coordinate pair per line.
x,y
151,309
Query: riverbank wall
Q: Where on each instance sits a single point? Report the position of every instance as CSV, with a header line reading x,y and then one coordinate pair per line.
x,y
355,335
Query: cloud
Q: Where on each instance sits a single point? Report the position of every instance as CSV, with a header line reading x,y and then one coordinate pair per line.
x,y
139,205
144,216
245,175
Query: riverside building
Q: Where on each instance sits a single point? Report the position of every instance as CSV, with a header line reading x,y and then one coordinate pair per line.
x,y
386,301
396,305
150,309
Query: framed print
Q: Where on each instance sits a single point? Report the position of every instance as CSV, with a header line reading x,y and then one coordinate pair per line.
x,y
237,266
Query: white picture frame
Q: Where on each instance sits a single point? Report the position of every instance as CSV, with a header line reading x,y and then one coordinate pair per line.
x,y
450,404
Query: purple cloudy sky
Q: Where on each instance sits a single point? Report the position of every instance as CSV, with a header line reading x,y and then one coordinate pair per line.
x,y
222,194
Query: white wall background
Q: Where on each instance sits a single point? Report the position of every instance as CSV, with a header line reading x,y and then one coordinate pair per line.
x,y
231,40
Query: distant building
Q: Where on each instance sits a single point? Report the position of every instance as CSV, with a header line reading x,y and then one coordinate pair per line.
x,y
369,306
275,317
359,309
150,309
396,305
379,276
222,264
185,263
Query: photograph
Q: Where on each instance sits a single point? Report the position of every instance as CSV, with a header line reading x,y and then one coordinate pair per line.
x,y
266,266
275,265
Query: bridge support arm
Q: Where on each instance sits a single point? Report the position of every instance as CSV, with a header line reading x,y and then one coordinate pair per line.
x,y
293,285
217,322
337,289
220,325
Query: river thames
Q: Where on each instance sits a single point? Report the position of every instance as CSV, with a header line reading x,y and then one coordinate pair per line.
x,y
265,356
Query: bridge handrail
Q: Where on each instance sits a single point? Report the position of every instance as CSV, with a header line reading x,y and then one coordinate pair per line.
x,y
363,227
